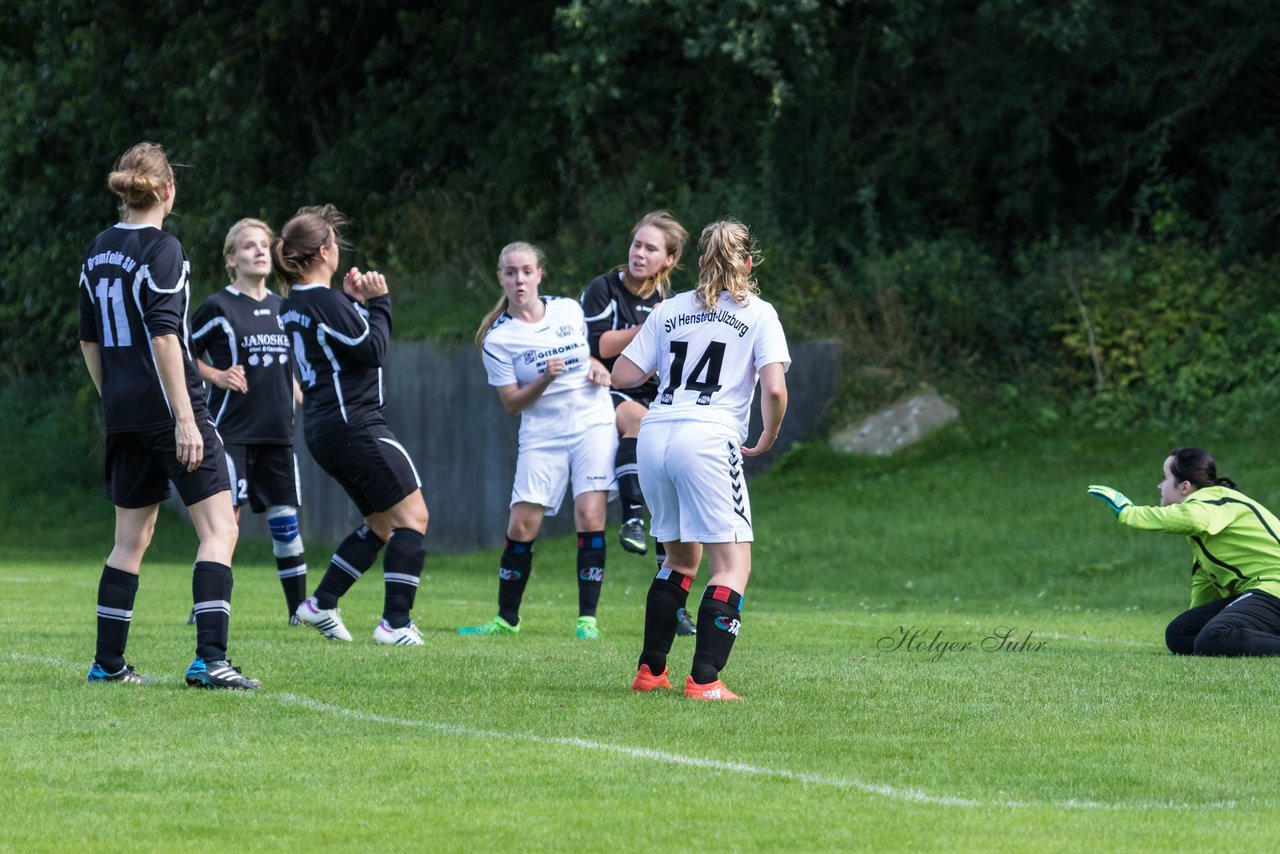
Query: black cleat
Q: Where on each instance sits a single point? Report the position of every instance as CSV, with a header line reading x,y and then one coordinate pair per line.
x,y
218,674
685,626
632,537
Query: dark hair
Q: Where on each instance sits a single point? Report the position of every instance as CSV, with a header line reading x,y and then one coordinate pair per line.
x,y
1197,466
296,249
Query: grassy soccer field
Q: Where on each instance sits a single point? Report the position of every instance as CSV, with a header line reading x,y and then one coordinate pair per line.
x,y
952,650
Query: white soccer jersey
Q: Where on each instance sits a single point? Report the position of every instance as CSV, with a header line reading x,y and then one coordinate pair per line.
x,y
708,362
516,353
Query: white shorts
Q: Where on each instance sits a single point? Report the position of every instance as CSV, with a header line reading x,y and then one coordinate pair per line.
x,y
544,467
692,479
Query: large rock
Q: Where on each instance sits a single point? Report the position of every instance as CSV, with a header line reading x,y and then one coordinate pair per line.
x,y
898,426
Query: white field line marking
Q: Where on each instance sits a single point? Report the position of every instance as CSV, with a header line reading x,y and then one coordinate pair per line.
x,y
896,793
740,768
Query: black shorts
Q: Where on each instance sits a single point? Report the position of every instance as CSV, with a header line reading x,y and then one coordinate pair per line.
x,y
263,475
644,395
368,462
140,464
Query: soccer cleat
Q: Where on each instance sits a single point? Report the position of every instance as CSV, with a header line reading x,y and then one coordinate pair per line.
x,y
218,674
646,681
685,626
294,621
327,623
403,636
632,537
711,691
587,629
496,626
124,674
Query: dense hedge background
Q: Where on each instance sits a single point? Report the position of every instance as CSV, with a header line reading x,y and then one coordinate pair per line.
x,y
1078,196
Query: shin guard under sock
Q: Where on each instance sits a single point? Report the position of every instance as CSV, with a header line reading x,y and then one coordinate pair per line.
x,y
590,571
719,618
401,571
211,591
667,595
352,559
624,466
116,592
513,575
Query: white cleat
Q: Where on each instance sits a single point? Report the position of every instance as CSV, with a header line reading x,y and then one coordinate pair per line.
x,y
327,623
403,636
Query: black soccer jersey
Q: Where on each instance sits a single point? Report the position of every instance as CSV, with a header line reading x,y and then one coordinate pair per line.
x,y
133,287
608,306
232,328
338,350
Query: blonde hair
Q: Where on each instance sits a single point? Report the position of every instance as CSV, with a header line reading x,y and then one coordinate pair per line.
x,y
140,176
295,251
726,247
229,245
675,236
491,317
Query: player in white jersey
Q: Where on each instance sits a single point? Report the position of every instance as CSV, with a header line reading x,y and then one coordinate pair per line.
x,y
709,348
536,355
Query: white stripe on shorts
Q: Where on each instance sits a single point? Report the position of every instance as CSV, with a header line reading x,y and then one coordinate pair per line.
x,y
401,449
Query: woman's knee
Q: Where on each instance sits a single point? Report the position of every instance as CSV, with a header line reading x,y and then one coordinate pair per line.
x,y
1177,640
589,511
134,539
1219,640
410,513
525,522
627,418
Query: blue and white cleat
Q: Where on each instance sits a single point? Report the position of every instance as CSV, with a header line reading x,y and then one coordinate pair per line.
x,y
124,674
218,674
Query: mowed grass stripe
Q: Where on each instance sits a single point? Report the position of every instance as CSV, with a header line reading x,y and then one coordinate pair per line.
x,y
659,756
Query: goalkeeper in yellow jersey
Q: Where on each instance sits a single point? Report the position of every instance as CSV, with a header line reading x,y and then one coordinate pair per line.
x,y
1235,549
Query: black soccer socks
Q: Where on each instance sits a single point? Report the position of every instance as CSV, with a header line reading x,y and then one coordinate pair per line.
x,y
719,618
401,570
211,592
667,595
116,592
513,575
292,572
624,466
352,559
590,571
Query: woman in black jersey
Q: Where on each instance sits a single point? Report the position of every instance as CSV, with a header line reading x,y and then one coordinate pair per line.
x,y
252,393
134,337
339,341
616,305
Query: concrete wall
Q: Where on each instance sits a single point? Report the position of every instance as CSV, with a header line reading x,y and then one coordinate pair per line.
x,y
464,444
